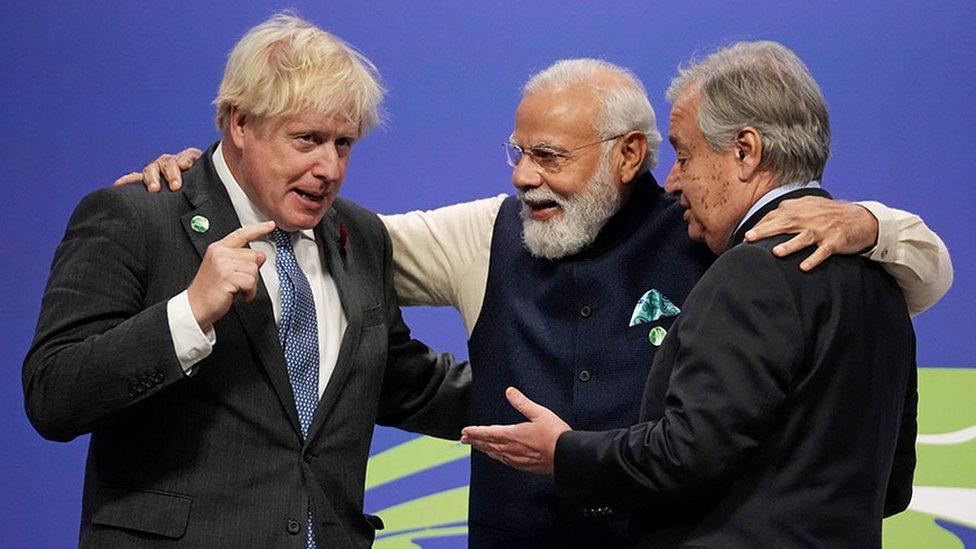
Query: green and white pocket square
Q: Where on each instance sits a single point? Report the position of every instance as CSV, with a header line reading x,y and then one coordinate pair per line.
x,y
652,306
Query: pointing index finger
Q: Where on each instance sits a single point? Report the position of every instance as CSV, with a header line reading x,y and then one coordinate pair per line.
x,y
242,236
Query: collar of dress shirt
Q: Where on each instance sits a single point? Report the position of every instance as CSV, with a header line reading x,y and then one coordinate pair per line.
x,y
773,195
246,211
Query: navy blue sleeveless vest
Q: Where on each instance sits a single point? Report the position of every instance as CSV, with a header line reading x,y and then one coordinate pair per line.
x,y
559,331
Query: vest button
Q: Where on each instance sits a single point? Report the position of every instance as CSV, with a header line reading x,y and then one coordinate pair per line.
x,y
585,311
294,527
584,375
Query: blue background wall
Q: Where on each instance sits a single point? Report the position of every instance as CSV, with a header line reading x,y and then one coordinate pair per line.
x,y
90,91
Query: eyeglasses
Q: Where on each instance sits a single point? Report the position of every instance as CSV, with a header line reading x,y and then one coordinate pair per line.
x,y
550,159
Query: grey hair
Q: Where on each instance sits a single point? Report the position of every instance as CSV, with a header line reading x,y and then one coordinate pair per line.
x,y
624,101
764,85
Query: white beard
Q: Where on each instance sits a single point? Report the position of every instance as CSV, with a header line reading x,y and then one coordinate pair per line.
x,y
583,215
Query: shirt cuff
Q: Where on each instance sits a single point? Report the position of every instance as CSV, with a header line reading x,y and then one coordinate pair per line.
x,y
190,342
884,250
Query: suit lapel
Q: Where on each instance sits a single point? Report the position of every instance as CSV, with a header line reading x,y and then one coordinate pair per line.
x,y
210,200
351,299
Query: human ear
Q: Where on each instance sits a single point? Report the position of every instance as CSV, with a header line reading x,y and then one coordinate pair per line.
x,y
236,126
748,151
633,150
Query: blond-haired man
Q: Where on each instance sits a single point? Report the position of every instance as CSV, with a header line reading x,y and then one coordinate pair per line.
x,y
248,428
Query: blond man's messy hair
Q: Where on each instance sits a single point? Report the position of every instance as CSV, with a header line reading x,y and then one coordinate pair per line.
x,y
287,65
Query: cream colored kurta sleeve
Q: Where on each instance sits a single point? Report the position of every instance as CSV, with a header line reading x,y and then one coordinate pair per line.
x,y
441,256
914,255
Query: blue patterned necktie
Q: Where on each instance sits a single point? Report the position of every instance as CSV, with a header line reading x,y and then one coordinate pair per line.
x,y
299,336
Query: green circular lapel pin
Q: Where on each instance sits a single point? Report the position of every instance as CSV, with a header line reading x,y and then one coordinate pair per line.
x,y
656,335
199,224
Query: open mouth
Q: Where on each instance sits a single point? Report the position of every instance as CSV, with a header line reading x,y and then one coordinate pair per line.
x,y
542,209
310,196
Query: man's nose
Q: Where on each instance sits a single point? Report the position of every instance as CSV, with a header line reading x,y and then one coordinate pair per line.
x,y
526,174
328,163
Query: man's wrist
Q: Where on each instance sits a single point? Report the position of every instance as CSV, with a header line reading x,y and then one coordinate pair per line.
x,y
880,250
203,321
873,226
191,343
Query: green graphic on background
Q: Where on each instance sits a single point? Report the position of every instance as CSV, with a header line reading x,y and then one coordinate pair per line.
x,y
946,459
945,478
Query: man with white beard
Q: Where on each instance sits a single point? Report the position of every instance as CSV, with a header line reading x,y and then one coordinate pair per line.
x,y
575,315
583,215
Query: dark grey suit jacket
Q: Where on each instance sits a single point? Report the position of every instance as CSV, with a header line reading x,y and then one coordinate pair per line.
x,y
779,412
217,458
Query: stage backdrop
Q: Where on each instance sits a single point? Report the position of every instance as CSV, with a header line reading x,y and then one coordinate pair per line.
x,y
92,90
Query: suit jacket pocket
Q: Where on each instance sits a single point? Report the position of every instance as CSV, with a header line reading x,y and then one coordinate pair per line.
x,y
640,333
152,511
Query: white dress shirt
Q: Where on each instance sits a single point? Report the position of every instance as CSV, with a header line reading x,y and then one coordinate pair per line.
x,y
193,345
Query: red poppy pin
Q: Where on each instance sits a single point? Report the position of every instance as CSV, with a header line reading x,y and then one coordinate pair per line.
x,y
343,239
